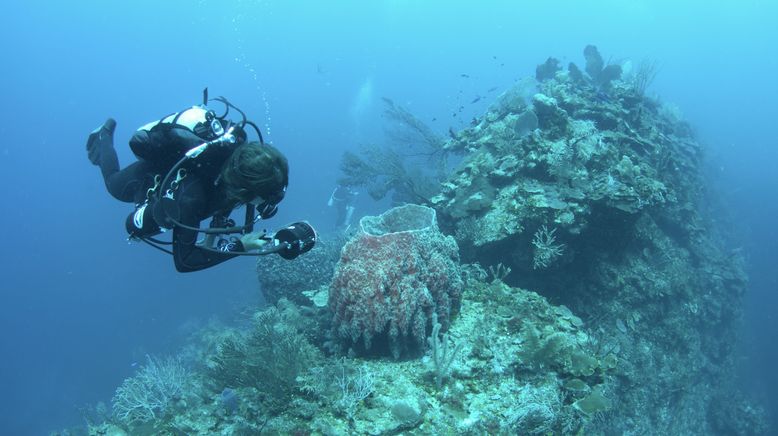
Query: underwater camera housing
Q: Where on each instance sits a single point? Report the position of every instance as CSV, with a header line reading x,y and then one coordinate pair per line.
x,y
295,239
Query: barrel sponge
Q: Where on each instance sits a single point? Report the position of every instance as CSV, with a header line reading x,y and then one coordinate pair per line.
x,y
391,277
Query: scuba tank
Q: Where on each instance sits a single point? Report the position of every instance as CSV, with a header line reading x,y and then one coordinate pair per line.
x,y
164,141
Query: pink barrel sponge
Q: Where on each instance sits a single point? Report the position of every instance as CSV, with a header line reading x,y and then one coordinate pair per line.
x,y
392,275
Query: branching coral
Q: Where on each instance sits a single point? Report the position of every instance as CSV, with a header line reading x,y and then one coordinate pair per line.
x,y
546,248
269,358
382,170
355,385
147,395
410,130
412,174
644,75
443,354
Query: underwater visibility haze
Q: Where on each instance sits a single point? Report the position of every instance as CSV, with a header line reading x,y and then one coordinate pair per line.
x,y
533,218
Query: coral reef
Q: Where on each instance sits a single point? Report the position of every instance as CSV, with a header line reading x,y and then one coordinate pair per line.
x,y
515,364
595,158
392,277
280,278
599,297
269,359
617,177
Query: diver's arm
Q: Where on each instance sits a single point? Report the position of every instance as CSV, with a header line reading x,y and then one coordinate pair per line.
x,y
187,255
193,257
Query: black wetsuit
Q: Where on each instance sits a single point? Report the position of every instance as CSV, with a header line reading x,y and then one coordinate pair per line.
x,y
197,197
342,198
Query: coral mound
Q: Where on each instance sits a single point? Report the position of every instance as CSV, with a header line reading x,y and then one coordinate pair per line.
x,y
391,277
280,278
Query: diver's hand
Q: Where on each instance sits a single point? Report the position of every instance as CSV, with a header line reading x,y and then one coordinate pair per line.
x,y
253,241
207,241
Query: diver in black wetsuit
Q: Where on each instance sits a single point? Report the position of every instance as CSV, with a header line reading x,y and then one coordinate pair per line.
x,y
342,198
191,166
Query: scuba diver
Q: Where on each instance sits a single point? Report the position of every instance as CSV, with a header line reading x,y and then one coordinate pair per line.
x,y
342,198
194,165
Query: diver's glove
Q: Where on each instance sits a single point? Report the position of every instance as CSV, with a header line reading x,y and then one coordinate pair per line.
x,y
254,241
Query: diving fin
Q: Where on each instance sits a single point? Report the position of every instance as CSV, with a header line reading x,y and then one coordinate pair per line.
x,y
100,138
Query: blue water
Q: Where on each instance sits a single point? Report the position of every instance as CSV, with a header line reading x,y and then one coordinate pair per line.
x,y
80,306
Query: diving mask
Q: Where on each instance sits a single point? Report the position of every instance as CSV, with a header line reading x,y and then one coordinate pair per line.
x,y
267,207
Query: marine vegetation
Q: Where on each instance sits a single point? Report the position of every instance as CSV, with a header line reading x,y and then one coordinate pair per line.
x,y
565,278
410,166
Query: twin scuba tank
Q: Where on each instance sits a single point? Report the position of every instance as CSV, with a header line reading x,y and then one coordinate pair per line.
x,y
163,142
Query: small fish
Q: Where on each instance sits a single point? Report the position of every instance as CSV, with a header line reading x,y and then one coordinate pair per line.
x,y
494,57
434,119
464,75
492,89
476,99
461,108
454,114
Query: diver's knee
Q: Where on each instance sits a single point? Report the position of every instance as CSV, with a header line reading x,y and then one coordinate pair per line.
x,y
122,190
